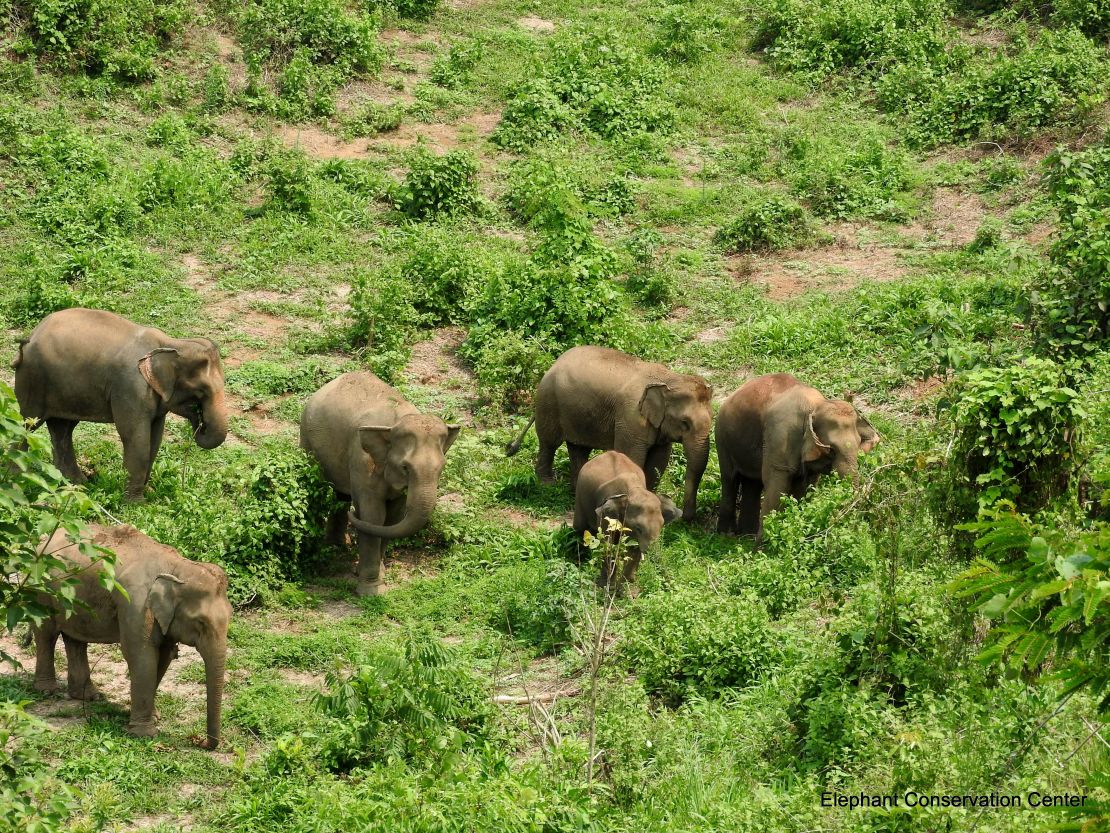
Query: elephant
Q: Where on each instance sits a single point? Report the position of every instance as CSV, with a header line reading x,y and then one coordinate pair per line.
x,y
169,600
95,366
612,486
381,453
777,436
595,397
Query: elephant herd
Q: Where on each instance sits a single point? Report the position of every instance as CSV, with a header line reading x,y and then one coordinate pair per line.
x,y
774,436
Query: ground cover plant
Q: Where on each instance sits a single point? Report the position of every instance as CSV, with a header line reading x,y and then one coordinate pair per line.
x,y
906,204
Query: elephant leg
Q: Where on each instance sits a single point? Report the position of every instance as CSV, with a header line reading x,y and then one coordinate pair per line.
x,y
655,464
545,459
46,639
136,457
167,653
750,494
79,683
726,511
775,485
336,534
370,550
142,662
579,455
157,428
61,440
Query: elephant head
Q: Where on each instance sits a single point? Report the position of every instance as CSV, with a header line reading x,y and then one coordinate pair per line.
x,y
834,434
640,511
411,455
189,379
679,409
190,606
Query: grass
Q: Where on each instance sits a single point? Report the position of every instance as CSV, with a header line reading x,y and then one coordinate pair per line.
x,y
203,213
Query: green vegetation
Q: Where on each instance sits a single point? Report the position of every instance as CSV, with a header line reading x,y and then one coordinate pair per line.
x,y
908,202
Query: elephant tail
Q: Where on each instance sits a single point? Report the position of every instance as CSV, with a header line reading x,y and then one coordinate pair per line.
x,y
513,447
19,353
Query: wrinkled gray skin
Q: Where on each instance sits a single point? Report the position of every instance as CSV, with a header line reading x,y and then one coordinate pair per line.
x,y
777,436
171,600
85,365
381,453
612,486
594,397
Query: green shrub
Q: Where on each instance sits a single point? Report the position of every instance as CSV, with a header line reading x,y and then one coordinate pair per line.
x,y
1092,16
31,798
290,183
455,69
1017,431
372,118
1071,305
1053,80
686,33
444,275
544,182
440,185
651,282
768,223
535,114
216,89
690,642
419,702
116,38
308,47
532,600
412,9
382,320
279,378
813,36
509,366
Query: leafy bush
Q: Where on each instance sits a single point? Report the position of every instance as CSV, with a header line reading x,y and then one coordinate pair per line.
x,y
532,600
1017,430
290,182
454,69
413,9
820,38
593,80
509,366
1092,16
768,223
35,500
372,118
309,48
30,797
1050,608
691,642
117,38
417,703
440,185
382,318
444,276
686,33
1072,298
544,182
278,378
1053,80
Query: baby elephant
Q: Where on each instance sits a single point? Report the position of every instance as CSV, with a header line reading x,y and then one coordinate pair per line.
x,y
381,453
612,486
88,365
170,600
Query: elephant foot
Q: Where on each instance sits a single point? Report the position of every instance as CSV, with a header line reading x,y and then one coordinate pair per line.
x,y
46,686
85,692
143,729
370,588
545,478
135,497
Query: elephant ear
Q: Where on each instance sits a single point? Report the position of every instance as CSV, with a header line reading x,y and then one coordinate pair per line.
x,y
159,368
452,435
813,448
670,511
653,403
612,508
161,602
375,441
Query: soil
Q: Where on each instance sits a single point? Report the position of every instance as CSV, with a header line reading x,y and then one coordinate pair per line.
x,y
831,268
317,144
439,137
536,24
436,361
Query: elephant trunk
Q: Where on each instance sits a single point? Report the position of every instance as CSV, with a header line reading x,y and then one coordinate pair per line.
x,y
418,508
215,663
697,458
846,465
212,429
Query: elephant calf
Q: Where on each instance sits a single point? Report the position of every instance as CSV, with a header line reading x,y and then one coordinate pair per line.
x,y
381,453
88,365
777,436
170,600
594,397
611,486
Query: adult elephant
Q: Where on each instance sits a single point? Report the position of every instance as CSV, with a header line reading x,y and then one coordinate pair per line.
x,y
380,452
777,436
594,397
88,365
169,600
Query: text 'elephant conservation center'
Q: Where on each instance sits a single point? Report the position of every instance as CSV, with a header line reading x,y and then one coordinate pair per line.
x,y
428,415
